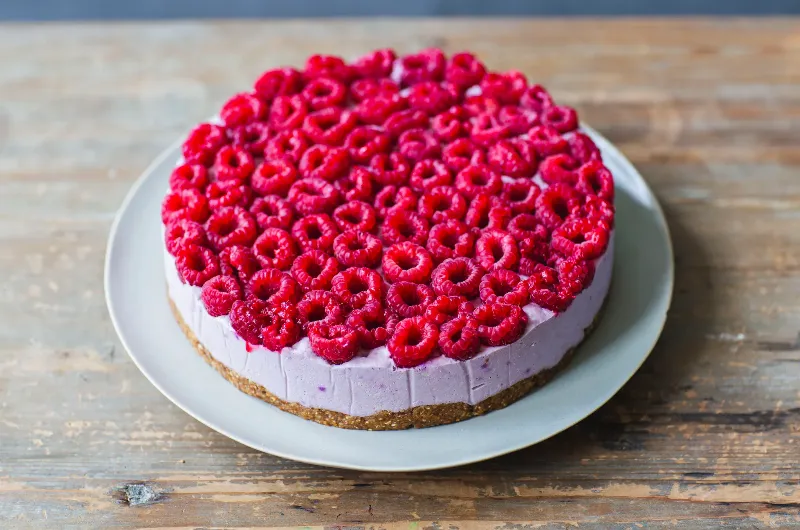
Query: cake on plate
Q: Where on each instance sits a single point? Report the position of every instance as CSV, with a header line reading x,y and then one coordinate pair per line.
x,y
390,243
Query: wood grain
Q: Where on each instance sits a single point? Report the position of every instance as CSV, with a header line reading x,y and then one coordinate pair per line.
x,y
704,436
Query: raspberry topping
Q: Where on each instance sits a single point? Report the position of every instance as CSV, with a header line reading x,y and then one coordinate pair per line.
x,y
196,265
356,248
225,193
187,203
581,238
323,92
378,109
487,213
242,109
357,285
188,176
289,145
442,203
555,204
427,65
238,261
464,70
407,262
545,290
288,112
231,226
409,299
336,344
405,120
496,250
459,338
279,82
391,198
562,119
275,248
273,287
505,287
324,163
557,169
182,232
462,153
546,141
404,225
355,215
457,277
357,185
520,195
280,329
252,137
274,177
377,64
446,308
595,179
417,144
476,179
500,324
327,66
219,293
450,239
505,88
526,226
203,143
515,158
315,232
390,170
329,126
430,98
450,125
363,143
535,98
363,89
429,174
414,341
582,148
373,325
314,270
248,317
313,195
319,308
272,211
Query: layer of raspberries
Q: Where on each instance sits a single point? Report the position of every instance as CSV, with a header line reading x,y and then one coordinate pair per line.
x,y
417,202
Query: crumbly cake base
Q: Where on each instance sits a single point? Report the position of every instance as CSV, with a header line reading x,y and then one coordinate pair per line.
x,y
415,417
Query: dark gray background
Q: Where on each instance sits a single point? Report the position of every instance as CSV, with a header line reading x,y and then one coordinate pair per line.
x,y
150,9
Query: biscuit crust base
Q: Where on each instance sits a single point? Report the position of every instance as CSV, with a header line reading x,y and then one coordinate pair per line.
x,y
415,417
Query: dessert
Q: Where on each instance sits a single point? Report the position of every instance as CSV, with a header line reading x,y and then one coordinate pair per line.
x,y
390,243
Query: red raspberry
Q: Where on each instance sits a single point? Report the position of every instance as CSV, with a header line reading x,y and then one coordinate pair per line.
x,y
459,339
363,143
319,308
327,66
287,144
545,291
427,65
555,204
515,158
429,174
561,118
408,299
272,211
355,215
451,124
248,317
231,226
461,154
186,204
595,179
534,252
227,193
583,149
405,120
506,88
407,262
546,141
476,179
488,213
505,287
314,270
417,144
375,64
203,142
322,93
233,163
486,131
500,324
404,225
479,105
196,265
521,195
356,248
496,250
238,261
315,232
182,232
446,308
519,121
278,82
357,185
559,168
413,342
442,203
390,170
242,109
275,248
219,293
536,98
373,325
280,329
526,226
287,112
392,198
378,109
363,89
313,195
357,285
336,344
252,137
464,70
450,239
430,97
598,209
457,277
324,162
329,126
273,287
574,275
581,238
188,176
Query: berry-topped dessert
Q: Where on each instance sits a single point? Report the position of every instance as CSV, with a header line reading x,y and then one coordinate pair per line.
x,y
389,243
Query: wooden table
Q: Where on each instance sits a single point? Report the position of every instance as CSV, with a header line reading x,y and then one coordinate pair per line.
x,y
705,435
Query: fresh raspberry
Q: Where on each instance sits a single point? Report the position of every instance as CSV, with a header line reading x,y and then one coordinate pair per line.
x,y
583,149
496,250
336,344
390,170
280,329
505,287
273,287
581,238
500,324
416,145
545,291
275,248
242,109
356,248
288,112
357,185
407,262
442,203
459,339
536,98
462,153
373,325
322,93
278,82
546,141
555,204
427,65
309,196
272,211
404,225
287,144
559,168
405,120
319,308
314,270
595,179
534,251
238,261
430,97
327,66
413,342
409,299
506,88
363,89
252,137
486,131
450,125
324,162
227,193
357,285
329,126
464,70
429,174
446,308
365,142
196,265
378,109
219,293
519,121
526,226
203,142
186,204
457,277
315,232
233,163
375,64
486,212
481,105
598,209
515,158
188,176
231,226
355,215
248,317
393,198
182,232
520,195
450,239
476,179
574,275
561,118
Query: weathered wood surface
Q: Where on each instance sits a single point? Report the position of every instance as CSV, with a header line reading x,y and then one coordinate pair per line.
x,y
705,435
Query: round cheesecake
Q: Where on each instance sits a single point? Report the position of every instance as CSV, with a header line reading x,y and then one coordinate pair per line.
x,y
397,242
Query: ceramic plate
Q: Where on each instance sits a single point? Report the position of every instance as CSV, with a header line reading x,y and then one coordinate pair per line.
x,y
633,319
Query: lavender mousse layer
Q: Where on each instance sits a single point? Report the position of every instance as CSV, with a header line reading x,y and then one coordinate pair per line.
x,y
371,383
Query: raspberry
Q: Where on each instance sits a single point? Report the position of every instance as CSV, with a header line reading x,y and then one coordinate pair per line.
x,y
561,118
227,193
273,287
459,339
515,158
446,308
188,176
404,225
287,144
378,109
520,195
427,65
315,232
555,204
327,66
417,144
598,209
275,248
319,308
203,142
442,203
363,143
242,109
272,211
280,330
546,141
185,204
324,162
429,174
505,287
430,98
476,179
287,112
356,248
506,88
413,342
336,344
363,89
248,317
357,185
500,324
559,168
534,251
252,137
238,261
450,125
518,121
583,149
233,163
329,126
525,226
408,299
196,265
486,131
376,64
355,215
322,93
231,226
581,238
357,285
574,275
543,287
219,293
182,232
390,170
407,262
309,196
462,153
450,239
392,198
535,98
464,70
595,179
486,212
457,277
479,105
279,82
496,250
314,270
373,325
405,120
